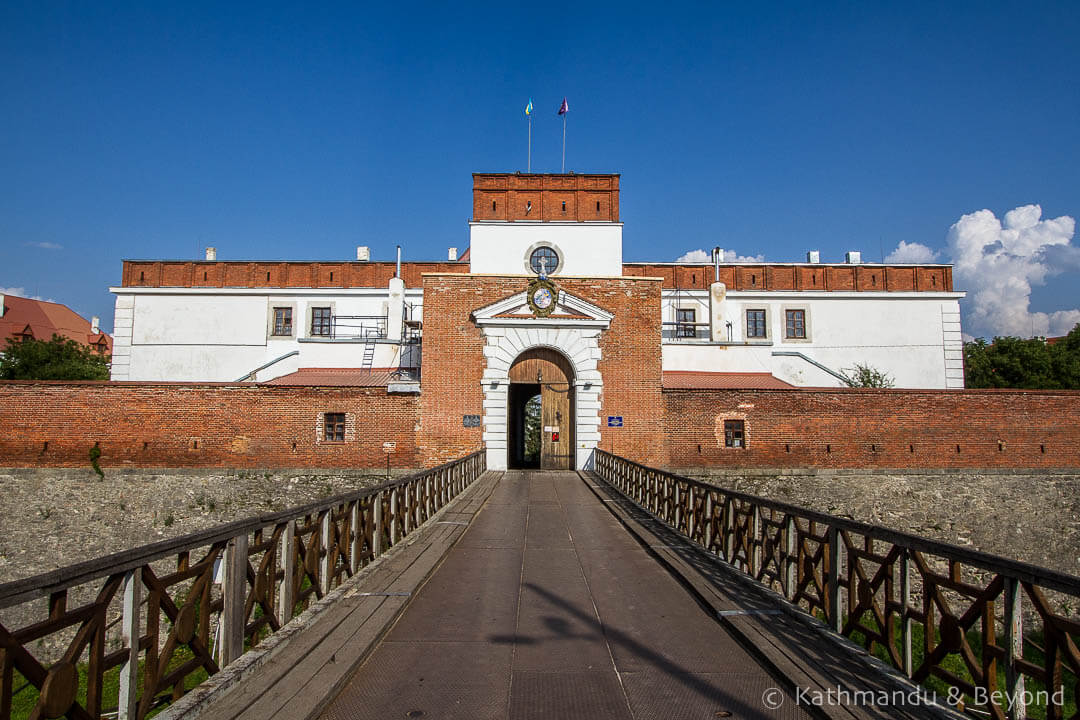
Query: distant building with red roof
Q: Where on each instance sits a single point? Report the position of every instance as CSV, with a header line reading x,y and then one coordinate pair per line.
x,y
25,319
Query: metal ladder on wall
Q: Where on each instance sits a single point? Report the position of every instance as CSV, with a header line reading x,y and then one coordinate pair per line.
x,y
369,350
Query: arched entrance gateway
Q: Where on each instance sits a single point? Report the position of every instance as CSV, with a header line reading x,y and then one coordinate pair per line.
x,y
554,357
541,411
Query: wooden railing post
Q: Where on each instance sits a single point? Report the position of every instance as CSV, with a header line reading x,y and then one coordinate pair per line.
x,y
377,525
233,594
708,520
832,579
905,601
324,547
357,540
287,589
755,541
1014,648
130,630
394,516
691,512
791,552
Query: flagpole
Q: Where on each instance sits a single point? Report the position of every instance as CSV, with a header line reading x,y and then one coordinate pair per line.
x,y
528,167
564,143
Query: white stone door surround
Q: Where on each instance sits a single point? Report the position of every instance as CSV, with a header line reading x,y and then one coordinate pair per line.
x,y
510,329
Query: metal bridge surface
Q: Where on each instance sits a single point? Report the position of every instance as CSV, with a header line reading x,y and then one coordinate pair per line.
x,y
548,608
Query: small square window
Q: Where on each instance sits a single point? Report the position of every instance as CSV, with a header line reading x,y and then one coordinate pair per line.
x,y
334,427
734,434
685,317
282,321
320,321
796,324
755,324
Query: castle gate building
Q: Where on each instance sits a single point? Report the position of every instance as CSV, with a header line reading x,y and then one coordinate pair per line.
x,y
540,323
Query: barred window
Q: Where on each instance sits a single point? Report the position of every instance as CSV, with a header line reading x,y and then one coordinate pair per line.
x,y
755,324
796,324
282,321
334,427
320,321
734,434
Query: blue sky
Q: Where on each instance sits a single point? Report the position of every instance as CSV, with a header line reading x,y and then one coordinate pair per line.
x,y
288,132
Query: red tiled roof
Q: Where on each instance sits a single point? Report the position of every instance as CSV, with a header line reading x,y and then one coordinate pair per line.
x,y
42,319
340,377
694,380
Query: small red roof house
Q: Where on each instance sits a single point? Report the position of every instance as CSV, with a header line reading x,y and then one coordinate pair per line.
x,y
25,319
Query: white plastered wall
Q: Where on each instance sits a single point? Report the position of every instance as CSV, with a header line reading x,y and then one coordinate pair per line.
x,y
585,249
220,335
913,337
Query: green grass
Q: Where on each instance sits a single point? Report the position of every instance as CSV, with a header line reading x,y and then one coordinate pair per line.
x,y
26,695
955,664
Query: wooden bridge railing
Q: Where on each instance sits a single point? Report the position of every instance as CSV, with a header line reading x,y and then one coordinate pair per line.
x,y
994,636
139,628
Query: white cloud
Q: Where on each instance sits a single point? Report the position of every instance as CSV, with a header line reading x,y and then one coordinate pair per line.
x,y
701,256
998,262
21,292
45,245
694,256
911,253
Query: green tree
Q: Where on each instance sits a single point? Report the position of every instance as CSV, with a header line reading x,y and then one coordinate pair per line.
x,y
56,359
1011,362
1065,358
532,429
865,376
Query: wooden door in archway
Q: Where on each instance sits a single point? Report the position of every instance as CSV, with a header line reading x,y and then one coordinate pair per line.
x,y
553,373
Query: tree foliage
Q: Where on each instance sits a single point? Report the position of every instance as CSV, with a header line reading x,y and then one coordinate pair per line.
x,y
57,359
532,430
865,376
1011,362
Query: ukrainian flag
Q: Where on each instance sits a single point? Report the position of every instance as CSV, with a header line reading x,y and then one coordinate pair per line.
x,y
528,108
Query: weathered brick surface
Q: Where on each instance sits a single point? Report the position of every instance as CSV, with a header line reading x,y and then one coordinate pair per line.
x,y
536,196
875,428
818,277
200,425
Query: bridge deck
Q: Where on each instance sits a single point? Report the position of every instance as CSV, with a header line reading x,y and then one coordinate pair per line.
x,y
548,608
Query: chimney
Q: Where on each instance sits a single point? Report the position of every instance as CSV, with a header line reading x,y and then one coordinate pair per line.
x,y
451,255
813,256
95,324
853,257
1,305
363,253
717,258
397,273
211,253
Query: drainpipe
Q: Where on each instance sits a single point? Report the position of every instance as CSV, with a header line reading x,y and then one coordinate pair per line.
x,y
717,291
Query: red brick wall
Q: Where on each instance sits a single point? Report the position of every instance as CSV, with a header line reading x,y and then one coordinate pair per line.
x,y
198,425
454,362
504,197
875,428
165,273
869,278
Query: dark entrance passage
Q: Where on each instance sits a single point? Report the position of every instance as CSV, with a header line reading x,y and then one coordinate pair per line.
x,y
524,425
546,373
